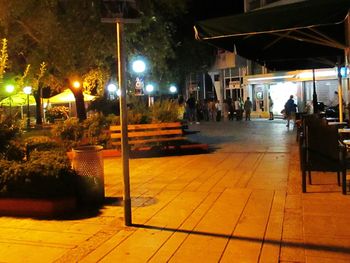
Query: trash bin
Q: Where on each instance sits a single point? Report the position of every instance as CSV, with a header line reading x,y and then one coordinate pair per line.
x,y
88,163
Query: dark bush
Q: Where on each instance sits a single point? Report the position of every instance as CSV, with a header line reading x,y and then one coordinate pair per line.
x,y
48,174
40,143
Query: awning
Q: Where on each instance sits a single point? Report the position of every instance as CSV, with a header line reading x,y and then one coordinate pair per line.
x,y
309,34
18,99
67,96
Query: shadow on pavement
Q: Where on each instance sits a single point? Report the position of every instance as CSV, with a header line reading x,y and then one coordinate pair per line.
x,y
311,246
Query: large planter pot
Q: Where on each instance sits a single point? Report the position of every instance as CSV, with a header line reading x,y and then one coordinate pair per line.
x,y
33,207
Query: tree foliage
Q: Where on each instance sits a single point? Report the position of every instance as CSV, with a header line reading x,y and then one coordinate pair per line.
x,y
73,42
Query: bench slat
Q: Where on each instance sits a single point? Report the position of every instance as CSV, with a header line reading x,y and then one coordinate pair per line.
x,y
147,133
151,140
148,126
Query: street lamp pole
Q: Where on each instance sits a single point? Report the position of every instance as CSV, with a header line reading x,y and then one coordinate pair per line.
x,y
124,123
28,90
113,15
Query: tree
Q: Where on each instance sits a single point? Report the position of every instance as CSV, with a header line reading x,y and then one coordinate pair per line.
x,y
75,45
60,33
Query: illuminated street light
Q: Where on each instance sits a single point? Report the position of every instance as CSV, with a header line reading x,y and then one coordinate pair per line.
x,y
10,88
173,89
28,90
112,88
139,66
76,84
149,88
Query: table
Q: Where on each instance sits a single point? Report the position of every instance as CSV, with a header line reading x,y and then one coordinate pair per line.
x,y
344,130
337,123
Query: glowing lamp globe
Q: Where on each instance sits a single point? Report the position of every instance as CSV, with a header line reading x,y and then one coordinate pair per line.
x,y
10,88
173,89
138,66
27,90
112,87
149,88
76,84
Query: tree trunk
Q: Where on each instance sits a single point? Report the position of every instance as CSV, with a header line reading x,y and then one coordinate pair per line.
x,y
38,111
80,105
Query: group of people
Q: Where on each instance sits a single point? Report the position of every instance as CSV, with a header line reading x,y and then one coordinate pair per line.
x,y
213,109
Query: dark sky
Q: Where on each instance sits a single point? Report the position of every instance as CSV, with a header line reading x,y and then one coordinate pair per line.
x,y
204,9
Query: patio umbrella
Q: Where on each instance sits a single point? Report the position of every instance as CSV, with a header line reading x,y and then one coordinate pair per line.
x,y
19,99
66,97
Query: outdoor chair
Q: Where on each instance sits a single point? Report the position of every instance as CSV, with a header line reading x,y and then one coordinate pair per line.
x,y
321,150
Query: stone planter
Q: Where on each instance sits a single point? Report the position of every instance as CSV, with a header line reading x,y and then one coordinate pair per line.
x,y
33,207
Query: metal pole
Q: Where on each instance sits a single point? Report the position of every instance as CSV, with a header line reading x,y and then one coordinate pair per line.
x,y
340,94
124,124
28,112
314,94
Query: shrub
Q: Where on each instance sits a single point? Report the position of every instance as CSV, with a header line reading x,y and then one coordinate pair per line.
x,y
57,112
40,143
105,106
48,174
15,151
164,111
70,132
9,129
95,128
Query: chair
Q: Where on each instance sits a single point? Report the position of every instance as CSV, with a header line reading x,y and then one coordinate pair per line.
x,y
321,150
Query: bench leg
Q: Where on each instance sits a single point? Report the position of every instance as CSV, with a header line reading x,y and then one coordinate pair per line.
x,y
309,173
303,180
338,178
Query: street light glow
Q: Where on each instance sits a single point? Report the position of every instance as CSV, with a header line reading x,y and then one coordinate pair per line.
x,y
10,88
27,90
172,89
76,84
149,88
112,88
138,66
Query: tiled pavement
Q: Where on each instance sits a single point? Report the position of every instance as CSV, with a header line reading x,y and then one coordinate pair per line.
x,y
240,203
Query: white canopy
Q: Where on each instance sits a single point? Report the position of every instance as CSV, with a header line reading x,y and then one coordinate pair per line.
x,y
67,96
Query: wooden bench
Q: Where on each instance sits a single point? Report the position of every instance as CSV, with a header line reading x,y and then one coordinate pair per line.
x,y
149,134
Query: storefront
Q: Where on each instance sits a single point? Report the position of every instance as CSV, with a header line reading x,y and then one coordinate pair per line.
x,y
279,86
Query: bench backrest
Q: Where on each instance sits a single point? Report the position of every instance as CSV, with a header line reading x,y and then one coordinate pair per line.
x,y
146,133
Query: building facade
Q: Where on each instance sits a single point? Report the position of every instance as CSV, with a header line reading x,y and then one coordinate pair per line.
x,y
233,77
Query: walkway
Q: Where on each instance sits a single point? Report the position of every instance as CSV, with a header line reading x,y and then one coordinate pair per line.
x,y
240,203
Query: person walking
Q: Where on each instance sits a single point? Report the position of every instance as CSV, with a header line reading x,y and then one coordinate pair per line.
x,y
212,111
271,108
248,108
191,108
218,107
290,109
230,110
